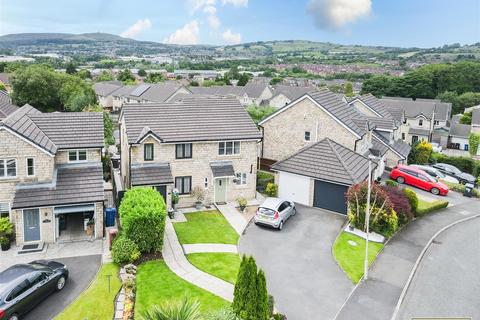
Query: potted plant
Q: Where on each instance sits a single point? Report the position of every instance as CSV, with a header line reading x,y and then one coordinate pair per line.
x,y
175,199
6,233
90,226
242,204
199,193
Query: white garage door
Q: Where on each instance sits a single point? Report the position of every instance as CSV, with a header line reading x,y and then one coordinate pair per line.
x,y
294,188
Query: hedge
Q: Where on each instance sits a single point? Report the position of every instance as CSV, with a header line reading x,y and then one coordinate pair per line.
x,y
460,188
142,218
412,199
124,250
465,164
433,206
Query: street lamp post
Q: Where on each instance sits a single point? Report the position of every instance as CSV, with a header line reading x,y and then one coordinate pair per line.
x,y
367,217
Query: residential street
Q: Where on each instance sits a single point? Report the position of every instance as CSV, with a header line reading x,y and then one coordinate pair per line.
x,y
301,272
447,280
377,297
82,271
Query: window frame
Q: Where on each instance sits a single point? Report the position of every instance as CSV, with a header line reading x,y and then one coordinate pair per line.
x,y
8,210
236,145
27,167
145,151
309,136
5,168
77,155
181,190
183,148
241,178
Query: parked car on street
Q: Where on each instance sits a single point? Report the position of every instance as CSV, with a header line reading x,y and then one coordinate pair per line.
x,y
23,286
274,212
434,172
453,171
418,178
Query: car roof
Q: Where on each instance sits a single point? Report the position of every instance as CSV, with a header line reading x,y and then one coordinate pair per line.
x,y
17,272
423,167
412,168
272,203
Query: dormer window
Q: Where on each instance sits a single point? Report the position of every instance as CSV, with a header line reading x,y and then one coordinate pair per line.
x,y
77,156
420,122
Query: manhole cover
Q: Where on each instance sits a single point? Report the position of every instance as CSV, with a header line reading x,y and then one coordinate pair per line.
x,y
352,243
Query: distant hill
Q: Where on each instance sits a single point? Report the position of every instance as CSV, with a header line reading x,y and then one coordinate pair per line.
x,y
28,38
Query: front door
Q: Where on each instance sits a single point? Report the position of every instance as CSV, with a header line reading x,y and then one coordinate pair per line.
x,y
31,225
220,190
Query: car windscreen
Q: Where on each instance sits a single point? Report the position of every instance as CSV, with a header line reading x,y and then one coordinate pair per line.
x,y
266,211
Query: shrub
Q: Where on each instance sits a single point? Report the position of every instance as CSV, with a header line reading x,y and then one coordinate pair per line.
x,y
142,217
423,152
473,142
184,309
124,250
383,218
242,203
391,183
465,164
433,206
460,188
412,199
198,193
271,190
400,204
222,314
6,227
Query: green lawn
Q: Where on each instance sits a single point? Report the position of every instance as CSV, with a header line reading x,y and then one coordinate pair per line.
x,y
221,265
205,227
351,258
157,285
96,302
425,207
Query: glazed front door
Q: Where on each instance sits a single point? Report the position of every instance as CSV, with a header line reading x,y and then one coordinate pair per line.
x,y
31,225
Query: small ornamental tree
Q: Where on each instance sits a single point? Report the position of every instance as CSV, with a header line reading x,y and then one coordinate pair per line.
x,y
383,218
424,150
400,203
142,218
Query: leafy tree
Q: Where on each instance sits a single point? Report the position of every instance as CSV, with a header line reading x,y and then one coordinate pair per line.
x,y
473,142
275,80
108,129
154,78
125,76
71,69
262,310
142,72
194,83
105,76
84,74
243,79
258,113
2,87
466,118
423,152
348,90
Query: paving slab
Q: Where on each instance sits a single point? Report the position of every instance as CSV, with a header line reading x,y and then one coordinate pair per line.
x,y
209,247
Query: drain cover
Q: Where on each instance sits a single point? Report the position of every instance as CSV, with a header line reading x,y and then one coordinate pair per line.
x,y
352,243
30,246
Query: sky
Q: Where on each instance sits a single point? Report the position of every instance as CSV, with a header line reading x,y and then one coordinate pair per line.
x,y
402,23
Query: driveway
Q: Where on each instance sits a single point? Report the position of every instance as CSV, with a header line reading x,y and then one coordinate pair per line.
x,y
302,274
82,270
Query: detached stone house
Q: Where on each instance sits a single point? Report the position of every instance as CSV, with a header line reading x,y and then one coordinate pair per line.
x,y
284,94
51,176
209,143
251,93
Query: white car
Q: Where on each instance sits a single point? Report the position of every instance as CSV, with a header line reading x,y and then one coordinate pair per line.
x,y
435,173
436,147
274,212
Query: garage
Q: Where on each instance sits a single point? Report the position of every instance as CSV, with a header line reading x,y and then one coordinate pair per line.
x,y
330,196
320,175
294,187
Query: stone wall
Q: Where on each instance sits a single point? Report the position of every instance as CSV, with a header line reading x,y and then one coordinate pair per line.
x,y
360,106
93,155
284,134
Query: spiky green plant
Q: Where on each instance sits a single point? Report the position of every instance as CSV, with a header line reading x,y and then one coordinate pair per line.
x,y
184,309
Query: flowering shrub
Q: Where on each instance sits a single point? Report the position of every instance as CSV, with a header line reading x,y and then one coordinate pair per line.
x,y
400,204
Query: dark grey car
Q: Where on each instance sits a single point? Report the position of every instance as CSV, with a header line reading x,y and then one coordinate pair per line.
x,y
23,286
453,171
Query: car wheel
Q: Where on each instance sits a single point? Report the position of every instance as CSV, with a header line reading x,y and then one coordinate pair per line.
x,y
60,283
13,317
400,180
294,211
280,226
435,191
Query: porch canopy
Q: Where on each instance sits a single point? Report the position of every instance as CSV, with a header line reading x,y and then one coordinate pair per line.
x,y
222,169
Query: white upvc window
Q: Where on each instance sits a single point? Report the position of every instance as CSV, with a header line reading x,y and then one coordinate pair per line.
x,y
8,168
4,209
241,178
77,155
30,166
228,148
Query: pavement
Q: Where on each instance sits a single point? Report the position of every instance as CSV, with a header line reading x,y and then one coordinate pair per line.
x,y
175,259
82,271
209,247
301,271
377,297
446,284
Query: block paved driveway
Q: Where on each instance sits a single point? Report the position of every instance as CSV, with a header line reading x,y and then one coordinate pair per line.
x,y
302,274
82,271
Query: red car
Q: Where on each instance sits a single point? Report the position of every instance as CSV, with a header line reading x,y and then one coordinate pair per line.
x,y
418,178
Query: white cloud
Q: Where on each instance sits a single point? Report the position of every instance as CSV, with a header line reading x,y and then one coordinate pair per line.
x,y
194,5
213,21
210,10
188,34
236,3
335,14
231,37
136,28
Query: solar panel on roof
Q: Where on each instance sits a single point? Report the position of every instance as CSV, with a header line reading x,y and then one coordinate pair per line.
x,y
140,90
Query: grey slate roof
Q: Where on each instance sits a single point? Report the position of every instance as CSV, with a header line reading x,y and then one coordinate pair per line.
x,y
6,105
70,130
375,104
157,92
291,92
5,78
254,89
105,88
222,169
420,106
190,120
399,146
151,174
328,161
219,90
460,130
421,132
476,117
74,184
378,145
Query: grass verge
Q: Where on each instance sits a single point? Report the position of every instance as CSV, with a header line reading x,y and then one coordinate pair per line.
x,y
157,285
351,258
425,207
205,227
95,303
221,265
